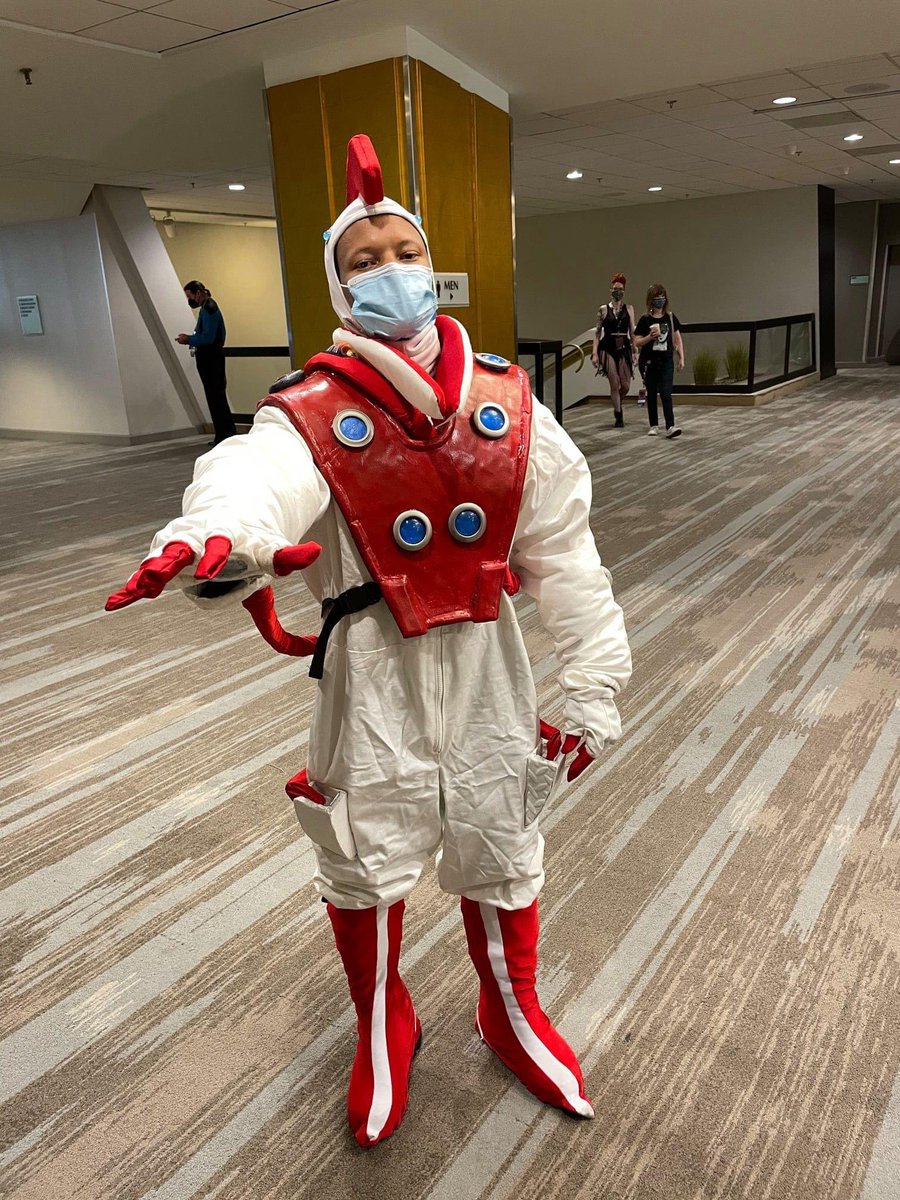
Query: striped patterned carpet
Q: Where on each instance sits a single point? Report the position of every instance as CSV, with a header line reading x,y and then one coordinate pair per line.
x,y
722,915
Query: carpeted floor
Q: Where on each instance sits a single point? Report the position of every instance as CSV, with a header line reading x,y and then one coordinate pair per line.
x,y
722,914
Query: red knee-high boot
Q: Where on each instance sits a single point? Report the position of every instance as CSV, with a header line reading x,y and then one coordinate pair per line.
x,y
503,947
368,941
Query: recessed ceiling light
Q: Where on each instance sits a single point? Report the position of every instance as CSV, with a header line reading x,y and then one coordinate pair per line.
x,y
894,161
654,189
785,100
235,187
853,137
576,174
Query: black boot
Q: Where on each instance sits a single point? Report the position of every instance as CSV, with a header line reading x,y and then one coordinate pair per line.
x,y
620,421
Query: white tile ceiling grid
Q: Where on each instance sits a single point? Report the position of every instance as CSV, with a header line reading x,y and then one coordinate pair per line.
x,y
151,25
711,141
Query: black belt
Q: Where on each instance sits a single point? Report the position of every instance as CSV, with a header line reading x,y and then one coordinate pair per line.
x,y
354,600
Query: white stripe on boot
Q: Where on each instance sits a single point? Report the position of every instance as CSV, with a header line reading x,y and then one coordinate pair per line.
x,y
382,1090
558,1073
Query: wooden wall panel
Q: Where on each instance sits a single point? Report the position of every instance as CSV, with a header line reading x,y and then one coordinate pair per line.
x,y
445,143
366,99
494,265
300,177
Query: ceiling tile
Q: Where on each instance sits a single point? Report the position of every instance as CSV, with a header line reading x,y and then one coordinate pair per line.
x,y
878,107
781,84
542,123
62,18
605,112
220,14
144,31
850,70
684,98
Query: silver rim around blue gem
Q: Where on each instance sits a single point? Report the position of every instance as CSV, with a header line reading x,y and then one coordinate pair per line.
x,y
350,421
493,362
462,536
416,518
487,411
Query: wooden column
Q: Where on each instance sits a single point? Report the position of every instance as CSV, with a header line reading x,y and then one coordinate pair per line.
x,y
444,152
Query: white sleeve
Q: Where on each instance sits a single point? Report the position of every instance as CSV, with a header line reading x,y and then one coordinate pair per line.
x,y
555,555
262,491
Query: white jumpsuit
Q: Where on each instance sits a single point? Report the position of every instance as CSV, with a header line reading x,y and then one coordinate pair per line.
x,y
428,736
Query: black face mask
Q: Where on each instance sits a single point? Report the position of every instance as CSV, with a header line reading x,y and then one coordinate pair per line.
x,y
659,303
618,294
194,303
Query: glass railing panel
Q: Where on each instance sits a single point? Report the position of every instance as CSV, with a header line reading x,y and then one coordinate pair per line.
x,y
801,347
249,379
716,357
770,345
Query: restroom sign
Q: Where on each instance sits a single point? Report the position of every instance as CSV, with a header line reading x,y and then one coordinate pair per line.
x,y
452,290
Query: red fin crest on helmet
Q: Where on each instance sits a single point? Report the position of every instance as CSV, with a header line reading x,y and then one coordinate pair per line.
x,y
363,171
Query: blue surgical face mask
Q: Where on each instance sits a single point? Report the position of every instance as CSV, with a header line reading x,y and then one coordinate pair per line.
x,y
395,301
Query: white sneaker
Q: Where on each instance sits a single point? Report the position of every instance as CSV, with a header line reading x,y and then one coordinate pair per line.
x,y
652,431
673,432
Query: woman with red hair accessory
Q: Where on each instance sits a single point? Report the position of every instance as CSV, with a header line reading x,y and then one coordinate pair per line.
x,y
613,351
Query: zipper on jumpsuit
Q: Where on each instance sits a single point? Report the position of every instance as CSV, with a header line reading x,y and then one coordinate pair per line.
x,y
439,691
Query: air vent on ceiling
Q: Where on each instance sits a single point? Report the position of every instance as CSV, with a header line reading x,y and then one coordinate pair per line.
x,y
840,116
874,151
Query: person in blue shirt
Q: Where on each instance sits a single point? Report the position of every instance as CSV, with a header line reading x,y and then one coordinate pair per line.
x,y
208,344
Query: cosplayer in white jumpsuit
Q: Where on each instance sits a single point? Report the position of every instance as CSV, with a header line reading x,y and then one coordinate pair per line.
x,y
425,745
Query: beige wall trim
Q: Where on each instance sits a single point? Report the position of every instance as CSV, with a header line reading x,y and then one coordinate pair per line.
x,y
97,439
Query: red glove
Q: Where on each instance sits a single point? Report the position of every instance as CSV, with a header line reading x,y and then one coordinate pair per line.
x,y
295,558
152,576
582,759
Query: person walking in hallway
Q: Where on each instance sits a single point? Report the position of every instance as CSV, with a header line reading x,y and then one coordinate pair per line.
x,y
208,344
613,351
658,337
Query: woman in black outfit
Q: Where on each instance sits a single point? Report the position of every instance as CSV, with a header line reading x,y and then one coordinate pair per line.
x,y
658,337
613,352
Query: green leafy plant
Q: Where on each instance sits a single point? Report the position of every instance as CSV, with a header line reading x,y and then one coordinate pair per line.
x,y
705,367
737,361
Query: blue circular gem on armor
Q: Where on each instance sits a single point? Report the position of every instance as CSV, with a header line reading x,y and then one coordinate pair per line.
x,y
413,531
354,429
467,523
493,418
493,362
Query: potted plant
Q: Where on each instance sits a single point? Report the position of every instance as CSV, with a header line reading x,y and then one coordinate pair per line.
x,y
705,366
737,361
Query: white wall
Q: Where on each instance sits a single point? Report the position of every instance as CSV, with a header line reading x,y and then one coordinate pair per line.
x,y
66,380
160,385
723,258
105,367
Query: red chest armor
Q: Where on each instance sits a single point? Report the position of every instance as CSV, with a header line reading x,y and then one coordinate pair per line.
x,y
433,516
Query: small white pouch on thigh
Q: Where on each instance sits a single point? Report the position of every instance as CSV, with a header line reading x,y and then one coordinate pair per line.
x,y
542,776
327,821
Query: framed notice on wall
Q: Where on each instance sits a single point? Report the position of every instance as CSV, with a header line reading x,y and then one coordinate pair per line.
x,y
29,315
